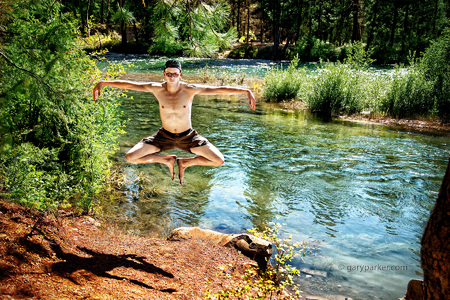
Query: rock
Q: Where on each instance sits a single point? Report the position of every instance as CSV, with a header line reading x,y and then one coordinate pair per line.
x,y
185,233
414,290
255,248
314,272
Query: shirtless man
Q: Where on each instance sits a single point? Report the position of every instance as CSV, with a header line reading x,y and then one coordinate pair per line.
x,y
175,105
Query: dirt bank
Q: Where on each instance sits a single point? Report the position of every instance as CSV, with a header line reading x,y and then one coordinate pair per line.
x,y
65,256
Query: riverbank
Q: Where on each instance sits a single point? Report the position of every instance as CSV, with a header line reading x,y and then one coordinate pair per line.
x,y
427,126
68,256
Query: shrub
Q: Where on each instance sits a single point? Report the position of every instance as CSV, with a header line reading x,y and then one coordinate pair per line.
x,y
410,95
281,85
56,139
243,52
310,48
335,90
435,65
277,278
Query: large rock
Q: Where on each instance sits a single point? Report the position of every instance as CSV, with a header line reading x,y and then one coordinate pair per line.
x,y
257,249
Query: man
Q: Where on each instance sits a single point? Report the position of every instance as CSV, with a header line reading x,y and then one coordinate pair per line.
x,y
175,105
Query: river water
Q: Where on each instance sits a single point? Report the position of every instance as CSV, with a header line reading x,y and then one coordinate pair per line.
x,y
358,194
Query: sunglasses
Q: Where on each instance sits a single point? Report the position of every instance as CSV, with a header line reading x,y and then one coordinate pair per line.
x,y
172,74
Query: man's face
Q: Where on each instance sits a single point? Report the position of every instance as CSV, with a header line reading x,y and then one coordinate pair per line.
x,y
172,74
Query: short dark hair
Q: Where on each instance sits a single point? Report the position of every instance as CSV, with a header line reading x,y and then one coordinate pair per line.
x,y
172,64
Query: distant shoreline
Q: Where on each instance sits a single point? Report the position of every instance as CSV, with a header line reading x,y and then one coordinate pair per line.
x,y
425,126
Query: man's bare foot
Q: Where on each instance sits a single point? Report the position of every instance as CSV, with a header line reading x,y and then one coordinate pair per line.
x,y
181,169
170,163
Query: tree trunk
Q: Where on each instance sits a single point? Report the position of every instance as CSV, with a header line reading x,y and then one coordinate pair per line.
x,y
87,19
394,26
370,31
435,251
276,29
319,20
356,12
108,17
261,37
238,18
123,27
248,21
405,34
299,21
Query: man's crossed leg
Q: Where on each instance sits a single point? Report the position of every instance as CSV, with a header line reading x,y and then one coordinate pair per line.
x,y
207,155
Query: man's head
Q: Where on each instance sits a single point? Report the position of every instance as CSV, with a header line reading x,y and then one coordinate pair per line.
x,y
172,64
172,69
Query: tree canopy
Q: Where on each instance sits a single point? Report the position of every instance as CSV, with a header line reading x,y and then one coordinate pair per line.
x,y
391,28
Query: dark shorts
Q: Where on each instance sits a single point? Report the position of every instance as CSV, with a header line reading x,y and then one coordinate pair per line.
x,y
166,140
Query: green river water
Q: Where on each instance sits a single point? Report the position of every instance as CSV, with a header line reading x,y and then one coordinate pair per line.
x,y
358,194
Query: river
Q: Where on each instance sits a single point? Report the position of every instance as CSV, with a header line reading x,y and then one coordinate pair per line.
x,y
358,194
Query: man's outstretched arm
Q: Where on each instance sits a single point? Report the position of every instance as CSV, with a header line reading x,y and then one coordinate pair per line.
x,y
226,90
124,84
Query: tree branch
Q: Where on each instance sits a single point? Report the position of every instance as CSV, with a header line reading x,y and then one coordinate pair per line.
x,y
27,71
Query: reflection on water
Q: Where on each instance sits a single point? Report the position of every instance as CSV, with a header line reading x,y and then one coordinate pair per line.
x,y
360,194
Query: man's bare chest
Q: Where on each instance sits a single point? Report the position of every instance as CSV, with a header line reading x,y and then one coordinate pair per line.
x,y
174,102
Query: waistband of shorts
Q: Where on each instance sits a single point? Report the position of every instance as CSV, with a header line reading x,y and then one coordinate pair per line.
x,y
180,134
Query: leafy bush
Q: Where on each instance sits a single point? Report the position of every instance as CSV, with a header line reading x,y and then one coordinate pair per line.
x,y
310,48
281,85
409,95
165,46
424,88
245,51
277,278
341,89
55,140
265,53
435,65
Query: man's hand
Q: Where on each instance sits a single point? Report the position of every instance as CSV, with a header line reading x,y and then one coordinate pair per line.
x,y
251,100
97,89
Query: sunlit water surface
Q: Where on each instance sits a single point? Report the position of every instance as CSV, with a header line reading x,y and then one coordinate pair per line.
x,y
358,194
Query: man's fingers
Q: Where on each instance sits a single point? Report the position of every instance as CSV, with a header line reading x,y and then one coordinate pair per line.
x,y
96,93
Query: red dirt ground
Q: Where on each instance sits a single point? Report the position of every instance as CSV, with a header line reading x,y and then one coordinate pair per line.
x,y
64,256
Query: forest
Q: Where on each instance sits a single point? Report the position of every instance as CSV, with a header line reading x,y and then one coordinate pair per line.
x,y
392,30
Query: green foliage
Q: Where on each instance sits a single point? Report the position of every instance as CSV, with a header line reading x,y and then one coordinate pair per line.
x,y
246,51
223,77
357,56
424,88
285,252
435,66
336,90
277,278
198,28
281,85
31,176
310,48
421,90
409,95
56,139
123,16
99,40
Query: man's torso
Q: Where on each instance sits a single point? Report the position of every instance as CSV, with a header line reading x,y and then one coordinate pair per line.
x,y
175,108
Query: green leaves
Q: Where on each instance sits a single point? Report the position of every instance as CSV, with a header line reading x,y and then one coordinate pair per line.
x,y
47,113
194,27
123,16
282,85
